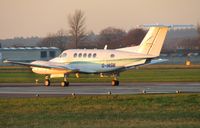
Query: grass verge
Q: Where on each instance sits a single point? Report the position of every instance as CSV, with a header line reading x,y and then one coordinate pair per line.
x,y
114,111
136,75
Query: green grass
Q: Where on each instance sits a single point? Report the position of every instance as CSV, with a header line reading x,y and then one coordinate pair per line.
x,y
155,73
114,111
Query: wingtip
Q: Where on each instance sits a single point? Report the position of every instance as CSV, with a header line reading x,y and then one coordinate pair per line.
x,y
6,61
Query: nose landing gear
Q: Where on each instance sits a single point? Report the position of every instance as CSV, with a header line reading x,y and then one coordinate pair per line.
x,y
65,82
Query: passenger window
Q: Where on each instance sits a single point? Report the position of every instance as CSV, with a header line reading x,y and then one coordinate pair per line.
x,y
63,55
89,55
94,55
84,55
112,55
75,55
80,55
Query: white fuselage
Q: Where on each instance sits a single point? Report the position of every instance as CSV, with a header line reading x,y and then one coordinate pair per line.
x,y
103,60
92,61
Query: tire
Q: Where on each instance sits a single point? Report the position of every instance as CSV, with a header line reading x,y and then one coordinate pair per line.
x,y
47,82
115,82
64,84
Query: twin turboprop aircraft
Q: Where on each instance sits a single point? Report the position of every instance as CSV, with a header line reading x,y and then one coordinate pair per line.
x,y
103,61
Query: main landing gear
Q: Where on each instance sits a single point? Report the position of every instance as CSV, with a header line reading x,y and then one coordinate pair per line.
x,y
47,81
64,83
115,82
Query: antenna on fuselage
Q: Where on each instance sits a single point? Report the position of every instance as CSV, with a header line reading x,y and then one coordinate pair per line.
x,y
105,47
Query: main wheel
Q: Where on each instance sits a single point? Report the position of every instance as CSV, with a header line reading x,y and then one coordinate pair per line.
x,y
47,82
64,83
115,82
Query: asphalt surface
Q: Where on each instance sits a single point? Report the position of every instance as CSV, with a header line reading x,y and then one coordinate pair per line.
x,y
34,90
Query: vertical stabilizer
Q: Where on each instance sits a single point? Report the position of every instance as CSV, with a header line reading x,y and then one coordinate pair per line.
x,y
153,41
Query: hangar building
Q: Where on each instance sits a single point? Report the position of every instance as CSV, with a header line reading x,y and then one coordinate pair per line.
x,y
28,54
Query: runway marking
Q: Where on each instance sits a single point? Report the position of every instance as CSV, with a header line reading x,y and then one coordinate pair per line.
x,y
98,89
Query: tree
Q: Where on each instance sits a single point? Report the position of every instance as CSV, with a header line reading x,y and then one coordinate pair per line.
x,y
77,26
198,28
112,37
90,41
55,40
134,36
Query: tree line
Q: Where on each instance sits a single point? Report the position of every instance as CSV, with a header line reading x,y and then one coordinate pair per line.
x,y
78,37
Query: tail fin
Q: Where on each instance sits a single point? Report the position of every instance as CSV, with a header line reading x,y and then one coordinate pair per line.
x,y
153,41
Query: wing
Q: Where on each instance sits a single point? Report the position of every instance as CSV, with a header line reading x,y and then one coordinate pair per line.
x,y
43,64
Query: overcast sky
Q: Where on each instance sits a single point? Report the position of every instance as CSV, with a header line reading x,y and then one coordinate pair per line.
x,y
39,17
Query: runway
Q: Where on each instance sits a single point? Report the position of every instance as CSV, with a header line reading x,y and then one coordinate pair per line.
x,y
33,90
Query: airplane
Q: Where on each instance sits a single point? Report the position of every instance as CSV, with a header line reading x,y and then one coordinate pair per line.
x,y
103,61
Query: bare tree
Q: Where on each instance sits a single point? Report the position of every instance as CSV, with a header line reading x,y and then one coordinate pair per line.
x,y
198,28
134,36
77,26
112,37
59,40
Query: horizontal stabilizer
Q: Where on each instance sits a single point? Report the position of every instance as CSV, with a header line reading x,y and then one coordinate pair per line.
x,y
154,61
168,25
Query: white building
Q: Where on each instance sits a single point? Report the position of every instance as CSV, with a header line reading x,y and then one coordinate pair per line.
x,y
28,54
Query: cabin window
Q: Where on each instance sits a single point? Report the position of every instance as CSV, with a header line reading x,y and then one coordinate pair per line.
x,y
64,55
94,55
112,55
84,55
80,55
43,54
75,55
89,55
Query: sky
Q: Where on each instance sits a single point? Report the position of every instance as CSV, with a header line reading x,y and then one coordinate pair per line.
x,y
26,18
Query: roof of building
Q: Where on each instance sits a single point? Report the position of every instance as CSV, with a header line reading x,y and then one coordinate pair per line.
x,y
29,48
